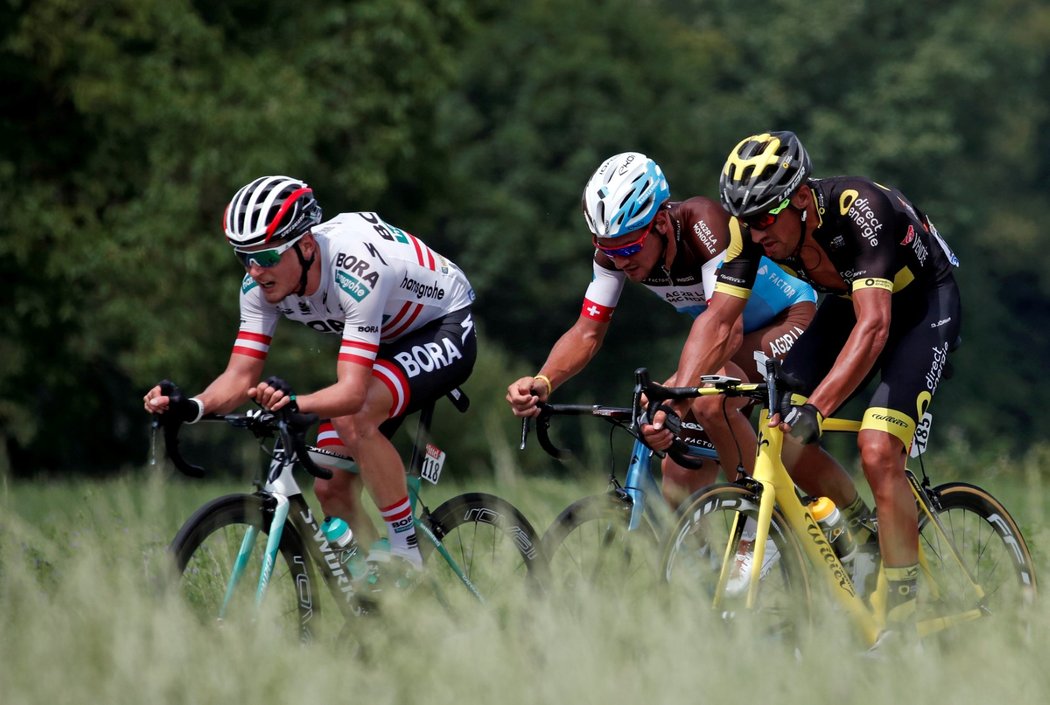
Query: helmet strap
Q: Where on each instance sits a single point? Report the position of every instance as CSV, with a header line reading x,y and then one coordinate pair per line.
x,y
304,265
671,248
802,232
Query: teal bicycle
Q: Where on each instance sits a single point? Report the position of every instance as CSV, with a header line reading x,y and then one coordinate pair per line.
x,y
249,554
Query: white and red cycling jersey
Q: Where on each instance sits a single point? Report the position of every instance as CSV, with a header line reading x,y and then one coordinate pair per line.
x,y
378,283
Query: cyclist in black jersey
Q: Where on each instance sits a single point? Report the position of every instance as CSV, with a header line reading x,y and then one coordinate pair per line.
x,y
891,308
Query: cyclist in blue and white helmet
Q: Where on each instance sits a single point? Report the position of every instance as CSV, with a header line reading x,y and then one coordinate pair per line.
x,y
624,195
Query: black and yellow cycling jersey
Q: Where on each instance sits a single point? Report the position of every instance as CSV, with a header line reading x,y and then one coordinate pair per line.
x,y
872,234
873,237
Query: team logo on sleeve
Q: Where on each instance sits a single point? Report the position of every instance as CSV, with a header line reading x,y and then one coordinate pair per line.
x,y
352,285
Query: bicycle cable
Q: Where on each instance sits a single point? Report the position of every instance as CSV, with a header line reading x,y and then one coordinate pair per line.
x,y
922,468
612,457
740,473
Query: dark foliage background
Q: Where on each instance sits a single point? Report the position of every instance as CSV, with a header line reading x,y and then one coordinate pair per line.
x,y
127,124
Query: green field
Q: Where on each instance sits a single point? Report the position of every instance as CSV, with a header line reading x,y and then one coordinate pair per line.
x,y
82,621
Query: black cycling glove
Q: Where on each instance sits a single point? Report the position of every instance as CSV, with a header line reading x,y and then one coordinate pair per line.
x,y
181,409
805,422
280,385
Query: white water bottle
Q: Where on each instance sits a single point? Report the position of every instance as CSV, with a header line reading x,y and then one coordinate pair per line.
x,y
835,528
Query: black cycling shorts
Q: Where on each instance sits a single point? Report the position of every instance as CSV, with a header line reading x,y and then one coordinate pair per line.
x,y
923,329
420,368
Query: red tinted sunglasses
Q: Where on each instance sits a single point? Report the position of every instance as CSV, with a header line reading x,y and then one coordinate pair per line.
x,y
631,248
763,221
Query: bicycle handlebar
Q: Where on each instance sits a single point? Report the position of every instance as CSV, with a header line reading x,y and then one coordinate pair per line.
x,y
543,422
654,393
291,428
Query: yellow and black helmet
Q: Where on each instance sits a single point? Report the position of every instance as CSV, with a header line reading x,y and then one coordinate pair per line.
x,y
761,171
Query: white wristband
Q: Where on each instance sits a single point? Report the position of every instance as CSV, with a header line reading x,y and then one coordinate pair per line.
x,y
200,409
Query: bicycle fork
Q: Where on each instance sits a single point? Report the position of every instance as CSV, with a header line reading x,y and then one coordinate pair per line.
x,y
280,483
414,484
777,489
280,515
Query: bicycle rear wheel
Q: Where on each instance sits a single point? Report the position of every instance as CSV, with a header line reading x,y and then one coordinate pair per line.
x,y
990,546
205,551
697,547
492,545
589,547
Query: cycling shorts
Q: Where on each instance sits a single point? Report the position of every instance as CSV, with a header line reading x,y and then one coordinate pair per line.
x,y
419,368
923,329
775,340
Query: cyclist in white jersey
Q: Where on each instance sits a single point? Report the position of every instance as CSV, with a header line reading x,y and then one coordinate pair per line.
x,y
674,249
401,310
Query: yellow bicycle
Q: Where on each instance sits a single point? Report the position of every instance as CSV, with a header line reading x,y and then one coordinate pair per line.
x,y
974,560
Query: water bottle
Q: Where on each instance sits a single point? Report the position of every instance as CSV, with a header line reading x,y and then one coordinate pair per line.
x,y
834,525
341,537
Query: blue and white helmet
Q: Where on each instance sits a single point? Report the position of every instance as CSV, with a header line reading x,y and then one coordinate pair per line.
x,y
624,194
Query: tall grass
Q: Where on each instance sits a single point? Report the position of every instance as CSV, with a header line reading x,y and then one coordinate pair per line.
x,y
82,621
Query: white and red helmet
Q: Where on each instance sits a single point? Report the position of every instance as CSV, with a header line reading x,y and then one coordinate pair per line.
x,y
270,209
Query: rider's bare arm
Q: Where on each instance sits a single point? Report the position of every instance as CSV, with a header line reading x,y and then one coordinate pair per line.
x,y
712,340
345,397
574,349
230,389
862,349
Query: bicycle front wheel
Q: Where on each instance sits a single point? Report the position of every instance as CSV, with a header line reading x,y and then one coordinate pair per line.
x,y
590,547
989,546
491,548
205,551
720,522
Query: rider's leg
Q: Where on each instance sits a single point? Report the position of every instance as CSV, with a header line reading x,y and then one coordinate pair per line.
x,y
341,497
382,471
679,482
816,472
730,432
883,457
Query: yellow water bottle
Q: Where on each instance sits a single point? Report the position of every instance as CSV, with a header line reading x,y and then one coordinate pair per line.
x,y
835,529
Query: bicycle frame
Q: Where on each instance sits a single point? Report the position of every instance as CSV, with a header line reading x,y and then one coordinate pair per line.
x,y
321,551
281,487
639,482
779,490
284,490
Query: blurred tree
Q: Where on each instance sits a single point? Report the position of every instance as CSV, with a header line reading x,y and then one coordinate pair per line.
x,y
547,92
129,123
134,121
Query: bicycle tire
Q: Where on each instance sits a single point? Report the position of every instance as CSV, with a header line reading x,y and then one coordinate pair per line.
x,y
491,541
695,550
204,551
589,548
991,547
